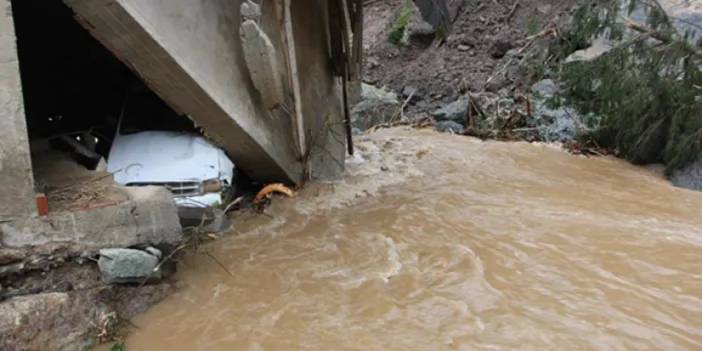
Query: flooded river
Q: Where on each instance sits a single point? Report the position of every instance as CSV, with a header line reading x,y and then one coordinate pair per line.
x,y
437,242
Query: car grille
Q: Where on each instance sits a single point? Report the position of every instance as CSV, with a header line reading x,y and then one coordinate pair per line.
x,y
176,188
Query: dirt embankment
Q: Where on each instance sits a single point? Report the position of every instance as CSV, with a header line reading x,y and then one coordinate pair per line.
x,y
472,56
65,305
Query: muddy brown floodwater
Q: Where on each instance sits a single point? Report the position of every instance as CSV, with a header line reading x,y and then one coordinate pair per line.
x,y
437,242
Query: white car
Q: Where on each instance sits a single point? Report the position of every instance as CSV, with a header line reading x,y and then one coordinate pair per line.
x,y
198,173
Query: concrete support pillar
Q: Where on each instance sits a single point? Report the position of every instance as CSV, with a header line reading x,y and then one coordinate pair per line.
x,y
321,91
16,178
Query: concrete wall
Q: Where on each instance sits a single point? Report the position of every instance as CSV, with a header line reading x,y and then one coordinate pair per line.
x,y
190,53
149,217
16,182
321,92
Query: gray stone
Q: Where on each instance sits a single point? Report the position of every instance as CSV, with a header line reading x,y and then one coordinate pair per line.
x,y
498,83
690,177
419,31
376,106
455,111
598,48
560,124
154,251
439,13
128,266
556,125
565,125
544,88
449,127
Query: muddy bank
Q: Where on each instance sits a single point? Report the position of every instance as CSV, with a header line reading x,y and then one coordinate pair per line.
x,y
69,307
55,291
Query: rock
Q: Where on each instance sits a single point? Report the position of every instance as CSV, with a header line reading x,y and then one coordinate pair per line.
x,y
129,265
434,13
563,126
598,48
412,91
455,111
497,83
500,48
689,177
544,88
462,47
449,127
376,106
554,124
419,31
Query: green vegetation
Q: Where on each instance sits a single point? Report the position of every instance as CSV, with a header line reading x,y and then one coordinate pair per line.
x,y
647,90
399,27
118,347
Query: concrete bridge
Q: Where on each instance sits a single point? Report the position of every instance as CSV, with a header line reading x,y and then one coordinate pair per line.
x,y
263,81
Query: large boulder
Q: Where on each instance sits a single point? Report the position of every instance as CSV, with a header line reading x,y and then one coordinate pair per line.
x,y
129,266
439,13
455,111
689,177
377,106
450,127
559,124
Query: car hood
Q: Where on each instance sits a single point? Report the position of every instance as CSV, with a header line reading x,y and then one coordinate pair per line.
x,y
157,156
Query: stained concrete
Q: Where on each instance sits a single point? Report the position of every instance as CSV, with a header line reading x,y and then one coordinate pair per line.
x,y
190,54
261,61
16,183
321,91
149,217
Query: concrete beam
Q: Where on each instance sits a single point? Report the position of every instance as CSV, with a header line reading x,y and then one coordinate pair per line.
x,y
149,217
16,180
190,53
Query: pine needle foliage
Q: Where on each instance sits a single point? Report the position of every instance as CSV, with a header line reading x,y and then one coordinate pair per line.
x,y
646,91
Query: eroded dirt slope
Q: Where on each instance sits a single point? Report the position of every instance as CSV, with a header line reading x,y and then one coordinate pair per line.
x,y
471,54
